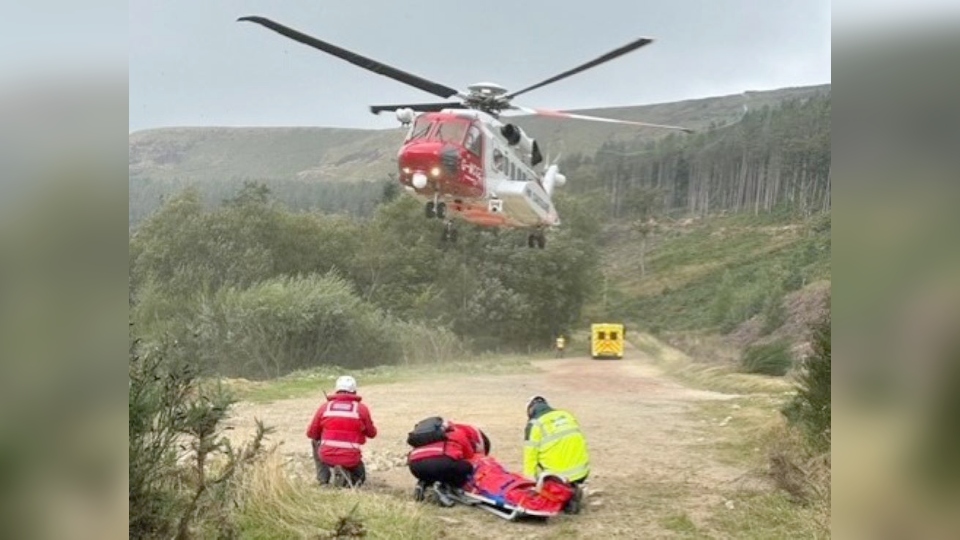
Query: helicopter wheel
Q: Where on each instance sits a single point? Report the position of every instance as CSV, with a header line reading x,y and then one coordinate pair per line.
x,y
449,233
431,213
441,210
536,240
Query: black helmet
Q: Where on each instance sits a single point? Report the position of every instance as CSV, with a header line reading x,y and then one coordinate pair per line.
x,y
533,401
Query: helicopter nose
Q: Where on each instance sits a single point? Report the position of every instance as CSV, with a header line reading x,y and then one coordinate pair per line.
x,y
430,159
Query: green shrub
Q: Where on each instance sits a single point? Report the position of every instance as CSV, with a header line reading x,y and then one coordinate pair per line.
x,y
767,359
289,323
723,301
774,315
810,408
180,466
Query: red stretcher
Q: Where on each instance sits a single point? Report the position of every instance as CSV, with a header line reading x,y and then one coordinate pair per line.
x,y
512,496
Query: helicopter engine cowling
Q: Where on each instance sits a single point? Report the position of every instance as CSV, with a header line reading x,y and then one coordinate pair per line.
x,y
406,116
512,133
553,178
516,137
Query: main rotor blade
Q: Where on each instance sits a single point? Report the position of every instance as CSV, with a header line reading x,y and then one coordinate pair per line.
x,y
632,46
379,68
421,107
561,114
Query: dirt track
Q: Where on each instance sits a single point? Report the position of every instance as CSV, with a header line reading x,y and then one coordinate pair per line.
x,y
643,442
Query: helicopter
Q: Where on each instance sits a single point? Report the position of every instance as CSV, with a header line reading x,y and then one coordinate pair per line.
x,y
462,159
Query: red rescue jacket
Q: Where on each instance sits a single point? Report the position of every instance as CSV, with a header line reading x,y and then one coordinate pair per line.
x,y
342,425
463,442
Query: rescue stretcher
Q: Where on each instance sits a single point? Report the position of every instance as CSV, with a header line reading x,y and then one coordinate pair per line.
x,y
500,507
512,496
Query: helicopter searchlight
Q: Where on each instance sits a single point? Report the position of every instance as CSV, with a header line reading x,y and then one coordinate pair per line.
x,y
419,180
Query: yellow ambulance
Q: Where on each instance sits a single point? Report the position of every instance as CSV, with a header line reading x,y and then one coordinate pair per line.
x,y
606,340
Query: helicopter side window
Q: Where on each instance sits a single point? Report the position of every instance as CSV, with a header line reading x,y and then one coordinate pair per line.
x,y
474,140
498,160
420,129
451,131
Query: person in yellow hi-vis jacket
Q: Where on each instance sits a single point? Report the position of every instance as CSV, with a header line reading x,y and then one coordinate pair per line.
x,y
561,344
554,444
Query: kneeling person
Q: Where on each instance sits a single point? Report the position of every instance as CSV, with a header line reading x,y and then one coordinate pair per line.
x,y
442,452
555,445
339,429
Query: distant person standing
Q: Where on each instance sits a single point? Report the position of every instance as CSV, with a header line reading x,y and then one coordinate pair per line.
x,y
554,444
561,345
339,429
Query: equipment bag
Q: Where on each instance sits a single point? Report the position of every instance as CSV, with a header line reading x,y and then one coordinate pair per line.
x,y
428,430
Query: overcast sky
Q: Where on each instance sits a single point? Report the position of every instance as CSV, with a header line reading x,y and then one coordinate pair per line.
x,y
192,64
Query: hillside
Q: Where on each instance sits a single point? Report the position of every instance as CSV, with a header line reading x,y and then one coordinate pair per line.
x,y
204,154
745,279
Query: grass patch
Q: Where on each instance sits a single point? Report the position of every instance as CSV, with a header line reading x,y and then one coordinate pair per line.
x,y
275,506
681,524
715,376
763,516
767,359
785,493
302,383
742,430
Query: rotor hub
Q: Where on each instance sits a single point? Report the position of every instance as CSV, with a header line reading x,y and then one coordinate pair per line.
x,y
487,89
488,97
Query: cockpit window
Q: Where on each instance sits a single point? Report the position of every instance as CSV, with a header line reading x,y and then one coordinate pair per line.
x,y
452,131
474,140
420,128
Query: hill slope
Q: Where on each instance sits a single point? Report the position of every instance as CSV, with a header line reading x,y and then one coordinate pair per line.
x,y
203,154
748,278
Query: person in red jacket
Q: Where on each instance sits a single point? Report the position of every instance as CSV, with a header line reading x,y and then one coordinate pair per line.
x,y
447,462
339,428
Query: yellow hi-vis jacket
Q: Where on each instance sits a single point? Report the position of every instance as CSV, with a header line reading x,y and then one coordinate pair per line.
x,y
561,342
554,444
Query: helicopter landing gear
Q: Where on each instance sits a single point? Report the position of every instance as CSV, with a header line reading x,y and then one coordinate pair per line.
x,y
434,209
449,233
537,239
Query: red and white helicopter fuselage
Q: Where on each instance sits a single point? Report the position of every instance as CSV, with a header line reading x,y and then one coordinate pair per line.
x,y
460,163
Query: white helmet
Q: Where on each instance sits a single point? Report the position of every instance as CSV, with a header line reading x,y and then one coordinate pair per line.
x,y
347,383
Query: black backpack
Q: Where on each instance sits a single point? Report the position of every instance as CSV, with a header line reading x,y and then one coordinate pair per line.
x,y
428,430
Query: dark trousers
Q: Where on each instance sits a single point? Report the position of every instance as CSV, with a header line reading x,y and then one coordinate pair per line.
x,y
444,469
358,474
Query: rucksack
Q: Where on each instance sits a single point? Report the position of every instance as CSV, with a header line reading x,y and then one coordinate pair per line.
x,y
429,430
